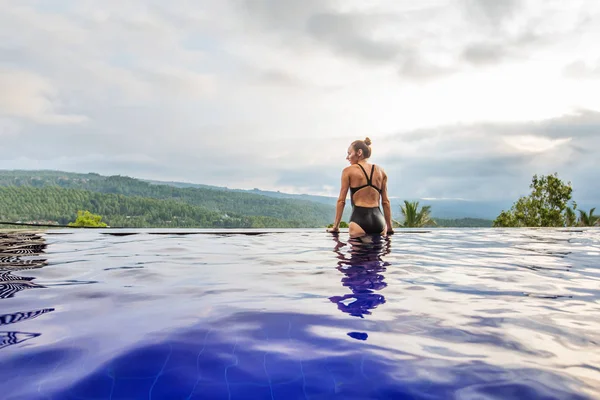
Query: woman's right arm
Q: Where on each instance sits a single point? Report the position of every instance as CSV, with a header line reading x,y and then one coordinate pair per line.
x,y
387,208
341,202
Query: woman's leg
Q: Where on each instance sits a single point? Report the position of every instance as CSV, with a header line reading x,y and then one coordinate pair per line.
x,y
354,230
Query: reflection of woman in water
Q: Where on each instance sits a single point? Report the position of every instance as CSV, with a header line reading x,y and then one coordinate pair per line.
x,y
363,274
367,184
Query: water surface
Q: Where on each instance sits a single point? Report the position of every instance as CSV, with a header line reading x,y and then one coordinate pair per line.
x,y
292,314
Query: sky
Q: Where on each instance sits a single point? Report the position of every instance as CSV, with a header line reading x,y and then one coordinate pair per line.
x,y
462,99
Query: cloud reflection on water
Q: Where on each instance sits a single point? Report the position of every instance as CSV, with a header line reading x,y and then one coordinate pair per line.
x,y
440,315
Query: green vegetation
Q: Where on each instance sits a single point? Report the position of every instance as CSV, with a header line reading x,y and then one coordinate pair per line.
x,y
588,219
546,206
53,197
59,205
343,224
241,209
570,217
413,217
88,220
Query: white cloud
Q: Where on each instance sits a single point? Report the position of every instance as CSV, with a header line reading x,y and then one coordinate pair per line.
x,y
30,96
534,144
8,127
269,93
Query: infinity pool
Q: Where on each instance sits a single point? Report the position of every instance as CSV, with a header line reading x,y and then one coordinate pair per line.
x,y
300,314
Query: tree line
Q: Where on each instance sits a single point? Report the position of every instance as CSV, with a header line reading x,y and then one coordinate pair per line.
x,y
61,206
128,202
297,212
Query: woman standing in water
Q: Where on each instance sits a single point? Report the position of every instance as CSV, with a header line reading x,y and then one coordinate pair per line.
x,y
368,185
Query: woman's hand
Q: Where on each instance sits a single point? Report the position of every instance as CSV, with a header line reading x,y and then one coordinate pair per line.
x,y
390,231
333,230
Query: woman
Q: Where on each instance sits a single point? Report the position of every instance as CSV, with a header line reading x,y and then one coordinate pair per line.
x,y
367,184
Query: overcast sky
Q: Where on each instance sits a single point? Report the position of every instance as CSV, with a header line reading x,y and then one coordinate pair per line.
x,y
461,98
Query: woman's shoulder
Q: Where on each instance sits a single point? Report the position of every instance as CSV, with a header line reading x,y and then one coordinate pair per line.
x,y
355,168
380,169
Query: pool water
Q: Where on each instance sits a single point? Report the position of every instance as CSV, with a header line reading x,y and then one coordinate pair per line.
x,y
300,314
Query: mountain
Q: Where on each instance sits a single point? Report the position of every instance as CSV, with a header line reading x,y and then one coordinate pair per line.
x,y
452,209
309,210
296,211
276,194
442,208
56,205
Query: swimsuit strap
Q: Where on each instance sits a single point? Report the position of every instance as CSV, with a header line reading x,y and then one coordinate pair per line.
x,y
365,172
369,182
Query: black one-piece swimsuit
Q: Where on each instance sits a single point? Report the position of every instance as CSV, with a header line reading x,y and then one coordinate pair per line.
x,y
370,219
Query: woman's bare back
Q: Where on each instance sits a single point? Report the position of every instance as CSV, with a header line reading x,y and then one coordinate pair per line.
x,y
367,196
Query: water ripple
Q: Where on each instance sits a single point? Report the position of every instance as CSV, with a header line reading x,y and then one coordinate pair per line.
x,y
445,313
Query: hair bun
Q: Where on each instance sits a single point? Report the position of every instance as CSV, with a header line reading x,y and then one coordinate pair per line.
x,y
368,141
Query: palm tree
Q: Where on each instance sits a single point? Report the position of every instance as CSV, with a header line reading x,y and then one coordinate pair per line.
x,y
415,218
588,219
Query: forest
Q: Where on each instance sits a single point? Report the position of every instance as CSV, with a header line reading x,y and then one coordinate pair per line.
x,y
60,205
124,196
55,197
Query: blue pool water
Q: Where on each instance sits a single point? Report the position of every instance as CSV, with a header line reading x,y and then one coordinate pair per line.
x,y
444,314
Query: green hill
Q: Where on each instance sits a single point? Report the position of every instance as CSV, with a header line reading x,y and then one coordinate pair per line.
x,y
205,206
55,204
301,213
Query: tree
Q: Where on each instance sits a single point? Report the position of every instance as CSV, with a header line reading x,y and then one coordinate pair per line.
x,y
571,218
546,206
590,219
415,218
505,219
57,204
88,220
343,224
